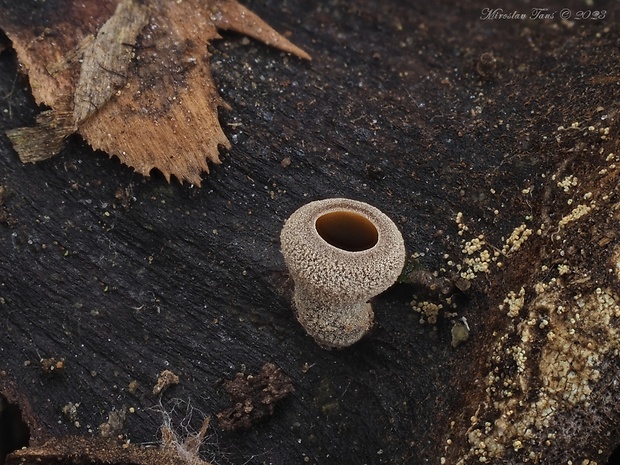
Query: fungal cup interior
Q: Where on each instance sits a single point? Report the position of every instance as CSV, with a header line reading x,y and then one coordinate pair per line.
x,y
347,231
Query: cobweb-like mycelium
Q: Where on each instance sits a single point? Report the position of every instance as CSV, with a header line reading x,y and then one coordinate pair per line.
x,y
132,77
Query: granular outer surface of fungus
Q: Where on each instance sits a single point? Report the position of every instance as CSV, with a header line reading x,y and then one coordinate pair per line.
x,y
340,253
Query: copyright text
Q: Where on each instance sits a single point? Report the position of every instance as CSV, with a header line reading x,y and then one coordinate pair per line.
x,y
500,14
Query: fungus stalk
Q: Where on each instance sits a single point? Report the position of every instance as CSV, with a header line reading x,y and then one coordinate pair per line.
x,y
340,253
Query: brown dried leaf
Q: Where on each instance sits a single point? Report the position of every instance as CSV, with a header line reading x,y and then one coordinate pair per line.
x,y
45,139
106,59
49,41
135,83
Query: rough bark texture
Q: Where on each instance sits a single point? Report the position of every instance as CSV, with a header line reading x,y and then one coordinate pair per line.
x,y
423,110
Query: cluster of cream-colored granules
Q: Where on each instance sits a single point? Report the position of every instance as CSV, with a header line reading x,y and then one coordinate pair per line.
x,y
575,333
560,331
478,257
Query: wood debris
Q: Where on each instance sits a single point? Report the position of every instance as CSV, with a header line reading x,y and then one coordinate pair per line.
x,y
86,450
165,379
254,397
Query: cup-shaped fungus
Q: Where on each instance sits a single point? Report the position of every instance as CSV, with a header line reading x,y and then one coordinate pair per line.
x,y
340,253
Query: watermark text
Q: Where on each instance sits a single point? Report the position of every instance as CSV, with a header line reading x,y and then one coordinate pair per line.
x,y
499,14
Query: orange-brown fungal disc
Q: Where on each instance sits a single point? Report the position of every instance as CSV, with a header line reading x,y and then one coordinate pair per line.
x,y
340,253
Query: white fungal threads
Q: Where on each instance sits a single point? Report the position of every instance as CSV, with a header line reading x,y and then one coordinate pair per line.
x,y
340,253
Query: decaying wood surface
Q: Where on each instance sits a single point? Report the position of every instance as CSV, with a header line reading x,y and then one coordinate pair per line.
x,y
494,146
75,449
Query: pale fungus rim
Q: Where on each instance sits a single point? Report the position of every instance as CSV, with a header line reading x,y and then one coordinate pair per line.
x,y
310,257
